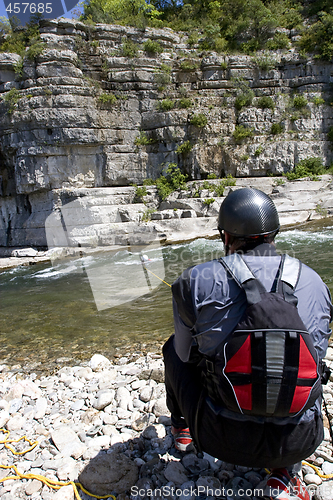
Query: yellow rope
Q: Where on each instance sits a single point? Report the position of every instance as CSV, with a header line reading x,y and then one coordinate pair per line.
x,y
304,462
156,276
56,485
6,441
323,476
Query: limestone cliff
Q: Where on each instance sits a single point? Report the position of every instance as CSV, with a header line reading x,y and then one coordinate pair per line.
x,y
81,115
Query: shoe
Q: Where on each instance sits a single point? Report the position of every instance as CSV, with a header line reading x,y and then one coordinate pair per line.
x,y
182,438
281,486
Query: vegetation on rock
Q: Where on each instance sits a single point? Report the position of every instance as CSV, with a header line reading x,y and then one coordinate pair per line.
x,y
200,120
241,133
266,102
227,25
172,179
16,40
310,167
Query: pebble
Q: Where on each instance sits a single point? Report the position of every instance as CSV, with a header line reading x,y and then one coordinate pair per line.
x,y
106,425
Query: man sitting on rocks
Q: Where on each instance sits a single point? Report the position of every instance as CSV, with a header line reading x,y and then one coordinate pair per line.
x,y
242,371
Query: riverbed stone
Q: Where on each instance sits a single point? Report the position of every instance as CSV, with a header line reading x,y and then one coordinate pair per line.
x,y
108,473
104,398
33,486
312,479
40,408
176,472
160,408
15,423
154,431
72,440
4,417
64,493
63,436
143,421
99,362
327,467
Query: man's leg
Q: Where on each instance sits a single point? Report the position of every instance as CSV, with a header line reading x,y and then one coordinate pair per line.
x,y
183,389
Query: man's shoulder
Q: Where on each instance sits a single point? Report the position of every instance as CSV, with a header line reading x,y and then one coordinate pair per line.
x,y
309,274
204,270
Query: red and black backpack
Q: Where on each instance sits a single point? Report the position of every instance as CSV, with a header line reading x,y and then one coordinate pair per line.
x,y
268,365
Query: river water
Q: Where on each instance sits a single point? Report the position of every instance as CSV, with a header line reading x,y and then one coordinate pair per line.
x,y
113,303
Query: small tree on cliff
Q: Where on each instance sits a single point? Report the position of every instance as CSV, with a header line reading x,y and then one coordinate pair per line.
x,y
130,12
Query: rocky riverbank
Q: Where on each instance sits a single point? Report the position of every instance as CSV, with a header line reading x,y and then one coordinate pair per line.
x,y
109,219
107,426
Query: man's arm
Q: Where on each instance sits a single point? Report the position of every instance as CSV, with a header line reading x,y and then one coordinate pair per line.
x,y
183,314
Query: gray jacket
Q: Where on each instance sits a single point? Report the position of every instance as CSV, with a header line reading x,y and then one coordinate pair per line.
x,y
208,304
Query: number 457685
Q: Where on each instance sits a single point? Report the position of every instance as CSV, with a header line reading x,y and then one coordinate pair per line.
x,y
30,7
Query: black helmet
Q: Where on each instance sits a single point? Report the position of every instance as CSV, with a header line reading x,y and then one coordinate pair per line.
x,y
248,212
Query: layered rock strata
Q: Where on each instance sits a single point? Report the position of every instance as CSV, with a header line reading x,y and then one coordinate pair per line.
x,y
85,115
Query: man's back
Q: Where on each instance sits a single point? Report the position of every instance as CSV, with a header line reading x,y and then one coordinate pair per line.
x,y
217,303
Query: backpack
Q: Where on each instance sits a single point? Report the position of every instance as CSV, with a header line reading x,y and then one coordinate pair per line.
x,y
268,365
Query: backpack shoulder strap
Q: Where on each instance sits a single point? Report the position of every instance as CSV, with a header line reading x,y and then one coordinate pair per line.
x,y
287,280
242,274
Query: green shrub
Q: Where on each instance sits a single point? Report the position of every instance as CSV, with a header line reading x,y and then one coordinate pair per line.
x,y
152,47
265,62
279,182
279,41
266,102
188,65
220,44
193,38
208,201
208,185
11,98
143,140
105,98
211,176
146,216
199,120
165,68
244,157
16,40
13,44
184,148
228,181
299,101
318,101
166,105
18,68
140,192
149,182
35,49
224,65
185,103
162,78
172,180
258,151
244,99
129,48
240,133
291,17
318,37
310,167
277,128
